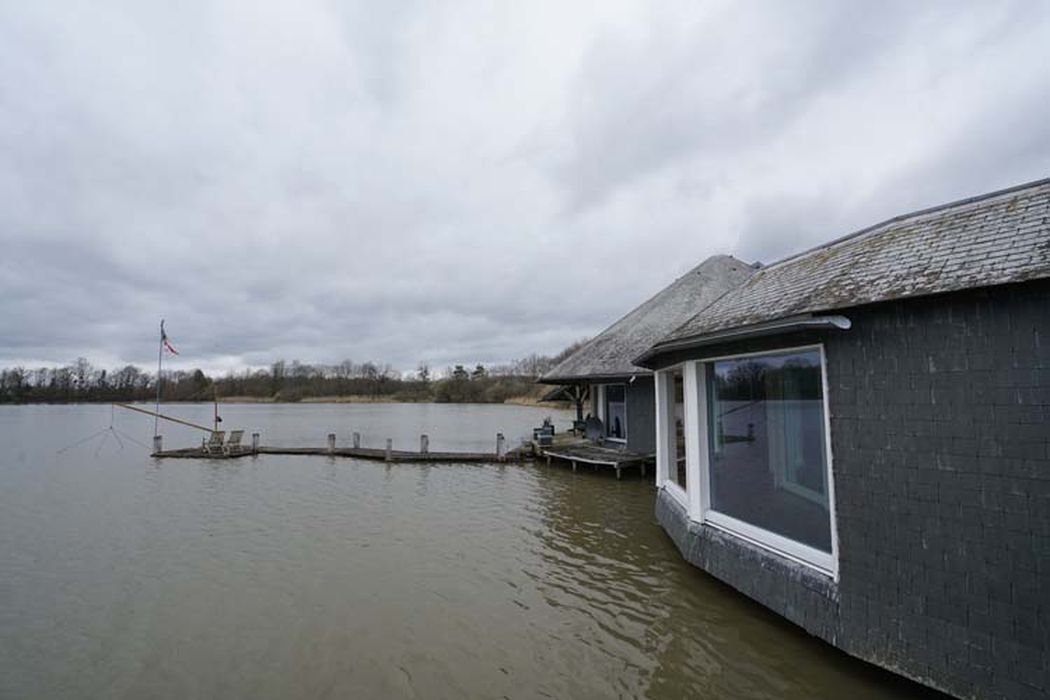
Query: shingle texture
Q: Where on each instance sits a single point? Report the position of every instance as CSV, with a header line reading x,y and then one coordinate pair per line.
x,y
610,353
938,409
995,239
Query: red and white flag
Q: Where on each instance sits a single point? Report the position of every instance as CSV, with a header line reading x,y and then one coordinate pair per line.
x,y
165,342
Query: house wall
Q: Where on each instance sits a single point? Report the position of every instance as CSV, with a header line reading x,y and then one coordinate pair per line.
x,y
940,420
641,415
641,411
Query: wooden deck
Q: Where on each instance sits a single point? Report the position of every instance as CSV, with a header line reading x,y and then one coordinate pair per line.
x,y
355,452
583,452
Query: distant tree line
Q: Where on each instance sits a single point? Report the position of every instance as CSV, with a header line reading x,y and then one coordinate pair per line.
x,y
282,381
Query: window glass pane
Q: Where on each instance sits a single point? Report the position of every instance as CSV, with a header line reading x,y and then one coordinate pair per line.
x,y
767,451
615,411
676,426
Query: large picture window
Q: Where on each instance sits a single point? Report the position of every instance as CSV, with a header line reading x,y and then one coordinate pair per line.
x,y
767,453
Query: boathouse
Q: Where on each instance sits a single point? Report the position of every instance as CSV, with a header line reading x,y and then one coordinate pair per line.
x,y
866,442
601,373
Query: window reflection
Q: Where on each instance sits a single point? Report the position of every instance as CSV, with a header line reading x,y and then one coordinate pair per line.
x,y
676,426
616,411
767,451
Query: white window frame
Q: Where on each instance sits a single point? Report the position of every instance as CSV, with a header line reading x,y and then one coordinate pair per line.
x,y
698,500
664,397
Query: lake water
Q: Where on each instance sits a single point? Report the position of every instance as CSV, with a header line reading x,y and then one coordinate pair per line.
x,y
312,577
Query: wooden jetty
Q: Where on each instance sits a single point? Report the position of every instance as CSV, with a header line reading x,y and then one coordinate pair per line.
x,y
355,452
565,447
388,454
580,451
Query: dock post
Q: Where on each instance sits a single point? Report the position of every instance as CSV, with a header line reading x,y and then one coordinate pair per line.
x,y
500,448
389,449
158,443
617,471
331,443
424,444
357,441
574,465
255,443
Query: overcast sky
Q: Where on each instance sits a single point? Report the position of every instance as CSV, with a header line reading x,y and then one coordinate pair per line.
x,y
465,181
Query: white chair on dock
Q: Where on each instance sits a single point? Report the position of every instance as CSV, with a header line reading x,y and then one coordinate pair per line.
x,y
233,445
214,445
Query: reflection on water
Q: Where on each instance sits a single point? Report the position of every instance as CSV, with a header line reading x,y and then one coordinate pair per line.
x,y
284,577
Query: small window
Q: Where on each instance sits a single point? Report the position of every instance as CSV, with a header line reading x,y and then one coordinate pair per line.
x,y
676,427
767,450
616,412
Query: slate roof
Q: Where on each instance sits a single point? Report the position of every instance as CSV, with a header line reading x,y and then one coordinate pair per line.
x,y
609,354
997,238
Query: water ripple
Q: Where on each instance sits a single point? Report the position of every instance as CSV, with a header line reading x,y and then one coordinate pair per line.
x,y
283,577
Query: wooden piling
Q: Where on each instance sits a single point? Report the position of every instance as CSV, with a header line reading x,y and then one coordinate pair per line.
x,y
424,444
389,449
158,444
331,443
501,452
255,443
357,441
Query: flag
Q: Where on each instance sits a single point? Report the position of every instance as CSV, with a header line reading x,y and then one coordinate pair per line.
x,y
165,342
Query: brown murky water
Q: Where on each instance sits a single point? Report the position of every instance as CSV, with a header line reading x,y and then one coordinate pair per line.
x,y
283,577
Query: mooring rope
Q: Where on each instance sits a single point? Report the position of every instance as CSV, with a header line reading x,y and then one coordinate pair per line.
x,y
105,433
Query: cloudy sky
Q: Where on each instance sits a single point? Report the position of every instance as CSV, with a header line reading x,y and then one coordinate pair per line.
x,y
465,181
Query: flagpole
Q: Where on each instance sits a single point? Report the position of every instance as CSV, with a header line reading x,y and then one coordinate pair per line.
x,y
160,355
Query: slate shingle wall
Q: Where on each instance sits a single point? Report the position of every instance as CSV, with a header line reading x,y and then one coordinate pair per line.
x,y
940,429
641,414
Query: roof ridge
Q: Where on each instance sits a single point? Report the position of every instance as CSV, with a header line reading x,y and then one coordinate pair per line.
x,y
713,266
662,292
714,301
992,239
918,213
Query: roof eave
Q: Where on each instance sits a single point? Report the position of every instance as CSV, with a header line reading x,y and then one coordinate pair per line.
x,y
593,378
757,330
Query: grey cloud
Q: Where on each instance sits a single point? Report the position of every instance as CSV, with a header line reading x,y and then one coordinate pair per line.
x,y
410,182
652,104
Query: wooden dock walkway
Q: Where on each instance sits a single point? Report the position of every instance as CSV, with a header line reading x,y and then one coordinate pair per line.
x,y
580,451
216,448
565,447
355,452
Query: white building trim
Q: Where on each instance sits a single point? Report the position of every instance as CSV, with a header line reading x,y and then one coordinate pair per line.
x,y
697,500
